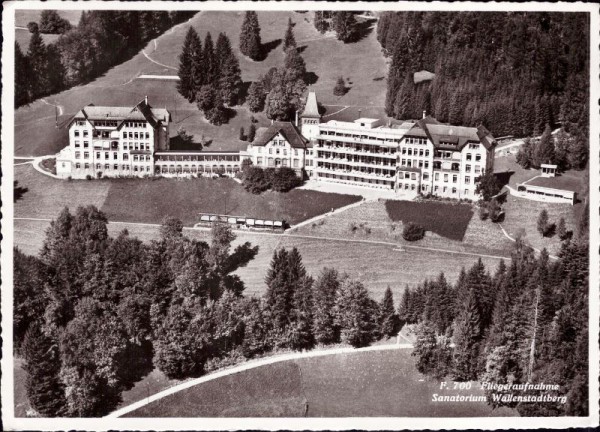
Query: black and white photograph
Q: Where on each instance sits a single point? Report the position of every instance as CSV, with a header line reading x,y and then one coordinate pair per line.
x,y
299,215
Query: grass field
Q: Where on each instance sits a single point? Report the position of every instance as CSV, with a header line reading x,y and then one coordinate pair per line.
x,y
24,17
362,62
362,384
373,223
150,200
448,220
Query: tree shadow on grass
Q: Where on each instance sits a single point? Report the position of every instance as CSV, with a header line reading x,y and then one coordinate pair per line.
x,y
19,191
504,177
301,49
268,47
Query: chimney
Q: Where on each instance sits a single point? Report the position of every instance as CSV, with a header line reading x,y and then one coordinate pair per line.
x,y
296,118
424,113
359,112
146,99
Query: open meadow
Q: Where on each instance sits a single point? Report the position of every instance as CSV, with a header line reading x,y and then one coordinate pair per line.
x,y
361,62
361,384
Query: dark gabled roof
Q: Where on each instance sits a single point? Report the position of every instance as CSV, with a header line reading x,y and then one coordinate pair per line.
x,y
141,111
287,129
450,137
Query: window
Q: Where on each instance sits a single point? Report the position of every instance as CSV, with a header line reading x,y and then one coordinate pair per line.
x,y
86,144
147,135
445,178
477,169
148,168
277,151
468,156
454,178
413,176
86,155
76,133
420,152
136,135
467,180
77,165
285,152
97,155
135,158
426,164
425,176
468,168
260,150
295,163
436,188
285,162
77,144
259,161
407,175
125,157
466,191
115,167
453,190
410,152
106,155
124,134
135,168
86,166
478,158
437,176
295,152
115,155
270,161
270,150
445,189
426,152
77,155
85,133
403,150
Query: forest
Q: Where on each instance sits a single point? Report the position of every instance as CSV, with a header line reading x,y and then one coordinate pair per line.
x,y
95,314
525,323
102,39
513,72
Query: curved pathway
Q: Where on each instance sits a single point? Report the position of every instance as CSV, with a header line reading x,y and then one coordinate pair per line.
x,y
250,365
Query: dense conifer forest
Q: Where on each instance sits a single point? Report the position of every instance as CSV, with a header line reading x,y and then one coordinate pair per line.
x,y
513,72
524,322
101,40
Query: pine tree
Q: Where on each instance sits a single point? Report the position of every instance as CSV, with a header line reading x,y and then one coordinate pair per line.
x,y
544,150
467,337
561,229
289,41
250,43
340,87
388,319
45,391
403,102
22,78
278,296
242,136
256,96
319,22
230,81
354,314
210,61
542,223
188,69
38,60
344,24
324,293
251,132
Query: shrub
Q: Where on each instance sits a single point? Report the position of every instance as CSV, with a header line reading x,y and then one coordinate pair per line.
x,y
33,27
285,179
242,134
483,212
495,211
542,223
255,181
413,232
88,177
340,87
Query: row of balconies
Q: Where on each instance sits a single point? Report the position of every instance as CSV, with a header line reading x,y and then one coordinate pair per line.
x,y
352,150
357,172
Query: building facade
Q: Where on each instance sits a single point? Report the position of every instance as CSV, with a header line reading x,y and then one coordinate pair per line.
x,y
423,156
114,141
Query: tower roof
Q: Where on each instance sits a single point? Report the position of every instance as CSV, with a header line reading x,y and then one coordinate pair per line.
x,y
311,109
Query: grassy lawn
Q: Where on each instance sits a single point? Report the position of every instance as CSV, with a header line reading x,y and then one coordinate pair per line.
x,y
362,62
521,219
150,200
510,172
448,220
366,384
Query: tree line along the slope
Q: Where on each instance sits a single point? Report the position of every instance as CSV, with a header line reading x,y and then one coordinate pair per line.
x,y
94,314
516,73
100,40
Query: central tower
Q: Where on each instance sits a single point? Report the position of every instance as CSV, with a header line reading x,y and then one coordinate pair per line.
x,y
310,118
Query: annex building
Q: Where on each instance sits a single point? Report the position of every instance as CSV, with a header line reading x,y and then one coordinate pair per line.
x,y
423,156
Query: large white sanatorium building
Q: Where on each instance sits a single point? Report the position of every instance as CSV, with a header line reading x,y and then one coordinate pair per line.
x,y
423,156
